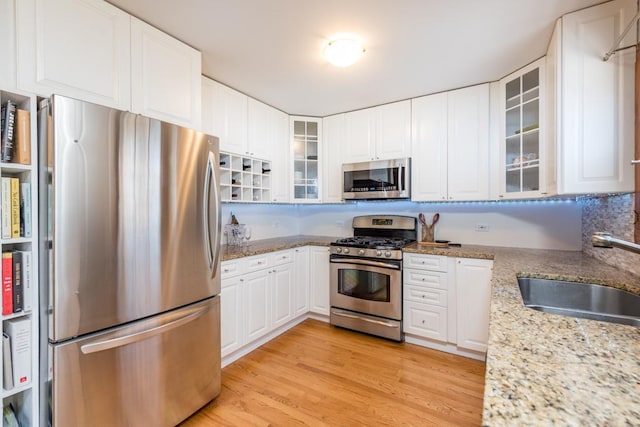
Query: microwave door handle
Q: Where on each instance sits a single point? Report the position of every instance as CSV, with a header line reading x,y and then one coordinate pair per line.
x,y
402,186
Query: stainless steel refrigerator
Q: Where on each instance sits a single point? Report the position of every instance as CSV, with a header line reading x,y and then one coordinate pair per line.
x,y
129,271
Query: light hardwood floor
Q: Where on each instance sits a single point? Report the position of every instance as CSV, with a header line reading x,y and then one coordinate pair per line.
x,y
319,375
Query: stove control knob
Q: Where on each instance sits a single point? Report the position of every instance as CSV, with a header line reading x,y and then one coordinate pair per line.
x,y
361,252
387,254
346,250
338,250
378,253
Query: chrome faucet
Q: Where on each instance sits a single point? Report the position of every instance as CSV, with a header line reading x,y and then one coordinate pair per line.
x,y
606,240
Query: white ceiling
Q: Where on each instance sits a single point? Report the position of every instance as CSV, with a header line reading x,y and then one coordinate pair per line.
x,y
271,49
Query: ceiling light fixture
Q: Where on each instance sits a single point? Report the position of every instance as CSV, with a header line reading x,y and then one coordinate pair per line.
x,y
343,50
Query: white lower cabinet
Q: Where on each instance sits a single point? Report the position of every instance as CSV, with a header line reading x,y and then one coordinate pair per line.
x,y
446,303
301,281
262,294
473,285
319,286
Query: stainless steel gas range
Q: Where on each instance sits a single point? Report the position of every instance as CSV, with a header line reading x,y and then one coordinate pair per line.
x,y
366,275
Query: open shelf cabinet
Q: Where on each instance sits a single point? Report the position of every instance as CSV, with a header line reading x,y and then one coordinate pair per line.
x,y
244,179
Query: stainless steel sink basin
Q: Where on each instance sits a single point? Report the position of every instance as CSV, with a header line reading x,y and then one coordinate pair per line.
x,y
585,300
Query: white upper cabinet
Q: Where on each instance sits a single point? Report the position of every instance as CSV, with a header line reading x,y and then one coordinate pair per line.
x,y
429,146
334,144
280,159
527,156
165,76
595,110
468,143
263,122
450,148
378,133
224,114
8,44
78,48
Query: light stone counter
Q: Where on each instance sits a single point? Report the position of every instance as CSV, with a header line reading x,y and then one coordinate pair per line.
x,y
545,369
271,245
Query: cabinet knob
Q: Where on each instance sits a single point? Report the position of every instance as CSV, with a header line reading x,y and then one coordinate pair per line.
x,y
423,322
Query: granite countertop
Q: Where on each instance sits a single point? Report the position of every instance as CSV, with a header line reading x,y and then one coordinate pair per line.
x,y
271,245
542,369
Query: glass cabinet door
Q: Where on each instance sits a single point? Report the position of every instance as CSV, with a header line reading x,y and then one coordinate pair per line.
x,y
306,140
522,133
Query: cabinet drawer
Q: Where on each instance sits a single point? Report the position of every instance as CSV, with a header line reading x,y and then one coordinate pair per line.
x,y
425,320
426,295
231,268
426,262
432,279
256,263
282,257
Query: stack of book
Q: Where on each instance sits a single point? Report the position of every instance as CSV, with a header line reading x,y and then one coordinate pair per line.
x,y
17,289
15,134
15,208
16,353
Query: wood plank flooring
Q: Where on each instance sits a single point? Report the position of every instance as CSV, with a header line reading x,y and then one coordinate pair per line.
x,y
319,375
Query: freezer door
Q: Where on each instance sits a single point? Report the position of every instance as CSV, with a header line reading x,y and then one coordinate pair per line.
x,y
132,209
155,372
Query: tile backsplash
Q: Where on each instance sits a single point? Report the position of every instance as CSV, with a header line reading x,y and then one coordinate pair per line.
x,y
613,214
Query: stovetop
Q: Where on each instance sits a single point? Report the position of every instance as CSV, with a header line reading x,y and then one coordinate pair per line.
x,y
370,242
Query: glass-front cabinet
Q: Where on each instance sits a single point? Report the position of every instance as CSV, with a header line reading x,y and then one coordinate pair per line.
x,y
522,136
306,140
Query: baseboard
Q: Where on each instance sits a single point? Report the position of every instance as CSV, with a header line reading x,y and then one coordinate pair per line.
x,y
446,347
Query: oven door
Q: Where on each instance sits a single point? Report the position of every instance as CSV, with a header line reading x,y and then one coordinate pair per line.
x,y
367,286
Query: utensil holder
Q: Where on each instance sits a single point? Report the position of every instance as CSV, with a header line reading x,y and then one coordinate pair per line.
x,y
428,233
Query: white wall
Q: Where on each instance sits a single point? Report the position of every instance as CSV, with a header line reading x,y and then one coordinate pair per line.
x,y
539,224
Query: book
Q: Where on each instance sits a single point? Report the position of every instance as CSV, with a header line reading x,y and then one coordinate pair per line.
x,y
22,144
25,209
27,281
5,206
15,207
8,114
19,332
7,283
7,368
17,291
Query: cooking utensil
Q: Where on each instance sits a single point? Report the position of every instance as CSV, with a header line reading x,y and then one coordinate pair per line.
x,y
428,230
422,219
435,219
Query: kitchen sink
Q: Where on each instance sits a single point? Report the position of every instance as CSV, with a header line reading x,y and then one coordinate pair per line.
x,y
585,300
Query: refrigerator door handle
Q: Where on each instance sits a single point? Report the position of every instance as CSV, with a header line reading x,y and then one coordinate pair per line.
x,y
95,347
213,250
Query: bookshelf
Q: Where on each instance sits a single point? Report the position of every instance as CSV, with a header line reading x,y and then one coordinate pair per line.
x,y
24,397
244,179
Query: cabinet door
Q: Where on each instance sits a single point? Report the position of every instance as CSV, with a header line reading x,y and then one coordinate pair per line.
x,y
319,280
473,288
256,294
231,324
597,101
301,281
393,130
262,126
306,136
77,48
282,292
523,129
425,320
224,114
468,143
8,44
165,76
281,159
360,129
334,143
429,148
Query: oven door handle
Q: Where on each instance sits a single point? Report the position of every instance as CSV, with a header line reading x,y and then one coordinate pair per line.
x,y
365,262
342,313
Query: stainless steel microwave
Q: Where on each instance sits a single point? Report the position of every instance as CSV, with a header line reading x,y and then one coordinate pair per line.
x,y
380,179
